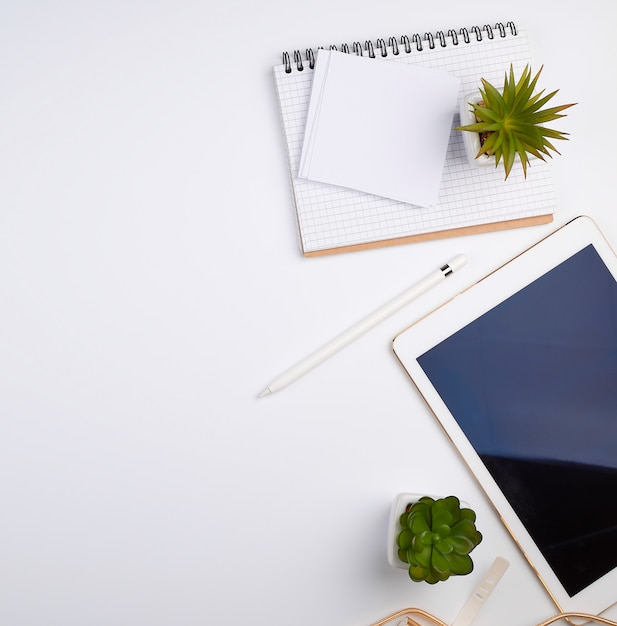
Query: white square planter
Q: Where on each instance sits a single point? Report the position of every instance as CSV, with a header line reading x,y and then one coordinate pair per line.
x,y
471,141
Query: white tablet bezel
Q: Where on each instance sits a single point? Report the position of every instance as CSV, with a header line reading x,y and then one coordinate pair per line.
x,y
455,314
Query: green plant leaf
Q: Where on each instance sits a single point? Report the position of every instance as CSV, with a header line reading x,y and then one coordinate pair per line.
x,y
416,544
418,523
426,500
418,573
426,538
439,563
411,557
461,544
468,514
444,546
405,539
424,557
441,517
444,530
460,565
464,527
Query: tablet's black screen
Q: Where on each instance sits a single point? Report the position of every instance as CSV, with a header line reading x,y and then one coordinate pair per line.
x,y
533,385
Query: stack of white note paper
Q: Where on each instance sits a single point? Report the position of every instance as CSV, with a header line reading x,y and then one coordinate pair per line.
x,y
380,128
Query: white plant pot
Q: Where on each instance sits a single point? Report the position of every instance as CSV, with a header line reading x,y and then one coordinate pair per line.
x,y
394,528
471,141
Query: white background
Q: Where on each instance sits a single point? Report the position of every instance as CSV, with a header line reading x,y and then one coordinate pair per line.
x,y
151,285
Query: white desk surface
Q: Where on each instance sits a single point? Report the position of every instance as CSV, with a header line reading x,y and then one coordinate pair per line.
x,y
152,284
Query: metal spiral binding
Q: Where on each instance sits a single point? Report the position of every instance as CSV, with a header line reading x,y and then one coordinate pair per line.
x,y
298,61
310,58
286,62
381,44
417,42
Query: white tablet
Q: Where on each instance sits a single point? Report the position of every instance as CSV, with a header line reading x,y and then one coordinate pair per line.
x,y
521,371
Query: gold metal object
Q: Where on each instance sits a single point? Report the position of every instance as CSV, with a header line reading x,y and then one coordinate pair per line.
x,y
436,621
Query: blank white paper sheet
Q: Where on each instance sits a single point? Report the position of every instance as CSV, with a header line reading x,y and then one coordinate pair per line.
x,y
380,128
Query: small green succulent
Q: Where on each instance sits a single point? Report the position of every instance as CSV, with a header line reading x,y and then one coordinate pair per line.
x,y
436,538
512,121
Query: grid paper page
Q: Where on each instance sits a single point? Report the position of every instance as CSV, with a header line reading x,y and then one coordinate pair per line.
x,y
331,217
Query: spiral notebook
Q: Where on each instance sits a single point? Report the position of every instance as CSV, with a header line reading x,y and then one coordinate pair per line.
x,y
471,199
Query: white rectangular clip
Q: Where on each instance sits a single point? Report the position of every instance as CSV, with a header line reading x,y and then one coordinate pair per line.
x,y
482,592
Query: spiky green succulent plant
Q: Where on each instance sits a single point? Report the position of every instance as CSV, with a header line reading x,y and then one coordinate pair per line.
x,y
512,121
436,538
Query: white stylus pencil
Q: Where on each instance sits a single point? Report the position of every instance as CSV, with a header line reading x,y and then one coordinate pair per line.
x,y
365,324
